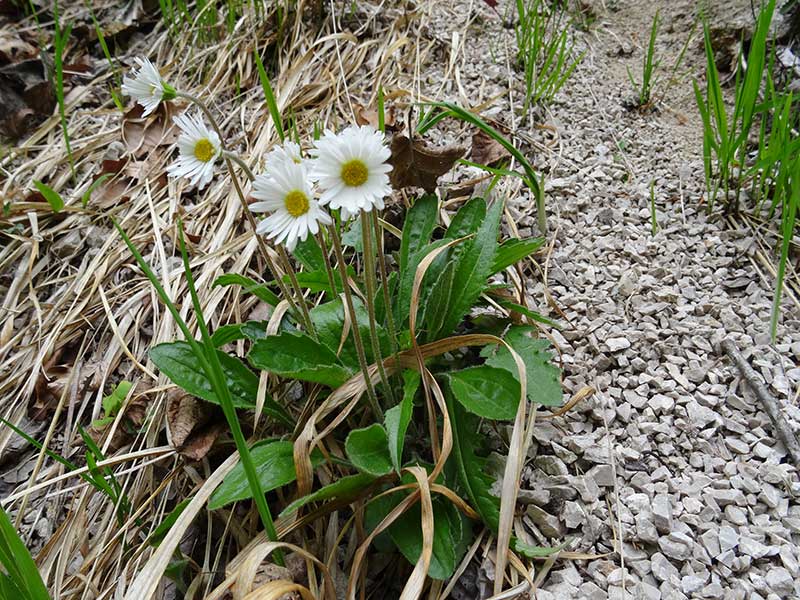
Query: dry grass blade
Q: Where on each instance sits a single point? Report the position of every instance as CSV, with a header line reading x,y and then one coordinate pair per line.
x,y
415,583
243,569
149,576
275,590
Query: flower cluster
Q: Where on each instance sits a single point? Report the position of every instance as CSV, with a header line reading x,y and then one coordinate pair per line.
x,y
347,171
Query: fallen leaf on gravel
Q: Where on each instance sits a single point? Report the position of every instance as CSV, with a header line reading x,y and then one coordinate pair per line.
x,y
486,150
414,164
192,424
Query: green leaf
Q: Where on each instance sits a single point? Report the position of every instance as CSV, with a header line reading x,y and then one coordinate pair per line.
x,y
353,238
112,403
451,536
406,282
368,450
53,198
329,320
163,528
531,314
398,417
309,254
543,378
299,357
465,223
514,250
274,462
419,224
249,330
473,269
467,220
347,487
269,96
488,392
471,468
436,305
260,291
17,561
178,362
7,587
95,184
317,281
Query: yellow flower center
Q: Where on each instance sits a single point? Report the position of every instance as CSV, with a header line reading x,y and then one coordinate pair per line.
x,y
296,203
354,173
204,150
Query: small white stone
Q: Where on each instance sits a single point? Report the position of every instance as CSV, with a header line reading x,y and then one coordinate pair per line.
x,y
692,583
676,545
662,513
617,344
728,538
663,569
735,515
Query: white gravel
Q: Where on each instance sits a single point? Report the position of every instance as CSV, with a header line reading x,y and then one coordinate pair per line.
x,y
703,497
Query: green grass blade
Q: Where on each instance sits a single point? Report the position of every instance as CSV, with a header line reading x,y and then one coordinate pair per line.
x,y
212,372
217,377
787,231
269,96
18,563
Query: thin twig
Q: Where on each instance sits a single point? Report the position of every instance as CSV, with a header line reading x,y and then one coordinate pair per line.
x,y
782,429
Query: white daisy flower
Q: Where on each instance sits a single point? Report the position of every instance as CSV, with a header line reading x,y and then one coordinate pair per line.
x,y
146,86
351,170
286,193
286,152
199,149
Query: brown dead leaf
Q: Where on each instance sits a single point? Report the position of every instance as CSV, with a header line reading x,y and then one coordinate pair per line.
x,y
111,166
26,96
414,164
192,424
142,135
48,391
369,116
486,150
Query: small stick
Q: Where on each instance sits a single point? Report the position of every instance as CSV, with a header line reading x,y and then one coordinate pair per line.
x,y
782,429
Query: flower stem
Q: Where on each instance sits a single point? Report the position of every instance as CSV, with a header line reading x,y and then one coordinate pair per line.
x,y
328,268
243,165
348,297
298,290
387,301
229,157
370,281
